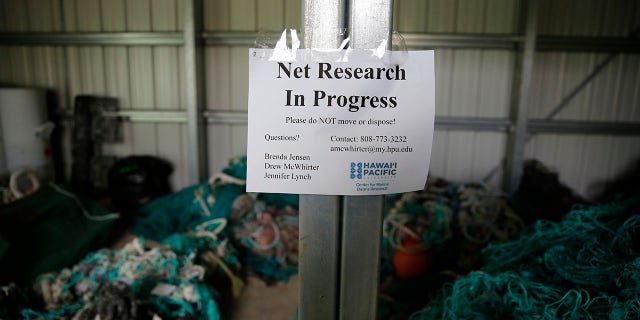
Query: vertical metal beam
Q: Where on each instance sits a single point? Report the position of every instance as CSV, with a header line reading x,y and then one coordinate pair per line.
x,y
520,100
370,24
360,262
319,257
193,92
320,215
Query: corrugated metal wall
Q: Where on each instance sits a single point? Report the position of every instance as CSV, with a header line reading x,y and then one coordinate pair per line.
x,y
470,83
477,83
613,95
141,77
228,67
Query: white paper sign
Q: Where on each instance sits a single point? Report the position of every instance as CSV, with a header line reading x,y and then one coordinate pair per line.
x,y
355,127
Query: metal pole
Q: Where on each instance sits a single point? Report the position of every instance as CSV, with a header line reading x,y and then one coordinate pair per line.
x,y
320,215
517,139
195,134
370,24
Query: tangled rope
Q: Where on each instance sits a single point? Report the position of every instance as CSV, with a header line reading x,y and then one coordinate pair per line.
x,y
585,267
435,235
444,210
164,281
269,236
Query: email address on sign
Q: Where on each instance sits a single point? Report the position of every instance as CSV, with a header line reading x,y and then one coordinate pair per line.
x,y
371,149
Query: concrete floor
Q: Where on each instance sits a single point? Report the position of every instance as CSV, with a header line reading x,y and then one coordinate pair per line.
x,y
259,301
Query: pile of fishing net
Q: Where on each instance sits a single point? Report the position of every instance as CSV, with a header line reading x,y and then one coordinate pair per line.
x,y
163,282
433,235
541,194
586,266
206,236
263,227
268,233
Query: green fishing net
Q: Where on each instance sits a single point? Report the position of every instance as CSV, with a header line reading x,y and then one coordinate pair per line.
x,y
262,226
163,280
48,230
586,266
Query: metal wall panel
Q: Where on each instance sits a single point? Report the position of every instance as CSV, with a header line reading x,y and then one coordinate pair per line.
x,y
31,66
469,83
476,83
612,94
588,17
227,67
141,77
462,16
584,162
218,72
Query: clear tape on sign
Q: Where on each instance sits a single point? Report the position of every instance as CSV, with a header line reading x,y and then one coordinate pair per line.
x,y
287,44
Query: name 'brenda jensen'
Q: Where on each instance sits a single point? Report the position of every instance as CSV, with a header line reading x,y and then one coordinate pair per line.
x,y
283,156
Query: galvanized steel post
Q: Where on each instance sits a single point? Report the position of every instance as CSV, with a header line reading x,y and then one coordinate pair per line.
x,y
193,93
520,100
320,215
370,23
340,236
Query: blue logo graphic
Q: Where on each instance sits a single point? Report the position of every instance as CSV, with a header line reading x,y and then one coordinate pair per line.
x,y
373,170
356,170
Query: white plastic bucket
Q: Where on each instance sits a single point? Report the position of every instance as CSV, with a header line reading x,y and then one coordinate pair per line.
x,y
23,112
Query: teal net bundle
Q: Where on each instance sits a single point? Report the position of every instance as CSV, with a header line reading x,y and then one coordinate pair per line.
x,y
432,236
586,266
263,227
193,205
268,234
164,282
48,230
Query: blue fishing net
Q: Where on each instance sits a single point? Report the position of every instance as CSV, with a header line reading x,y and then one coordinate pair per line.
x,y
262,226
185,209
122,283
433,235
586,266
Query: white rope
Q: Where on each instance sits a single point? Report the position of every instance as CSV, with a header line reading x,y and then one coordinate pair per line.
x,y
105,217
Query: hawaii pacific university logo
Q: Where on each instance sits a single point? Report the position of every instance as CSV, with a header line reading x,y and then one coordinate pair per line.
x,y
360,170
356,170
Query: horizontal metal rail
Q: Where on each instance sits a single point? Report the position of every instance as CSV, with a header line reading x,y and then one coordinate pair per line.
x,y
481,124
588,44
236,38
153,116
506,41
534,126
225,117
249,38
583,127
149,116
461,41
441,123
472,124
92,38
